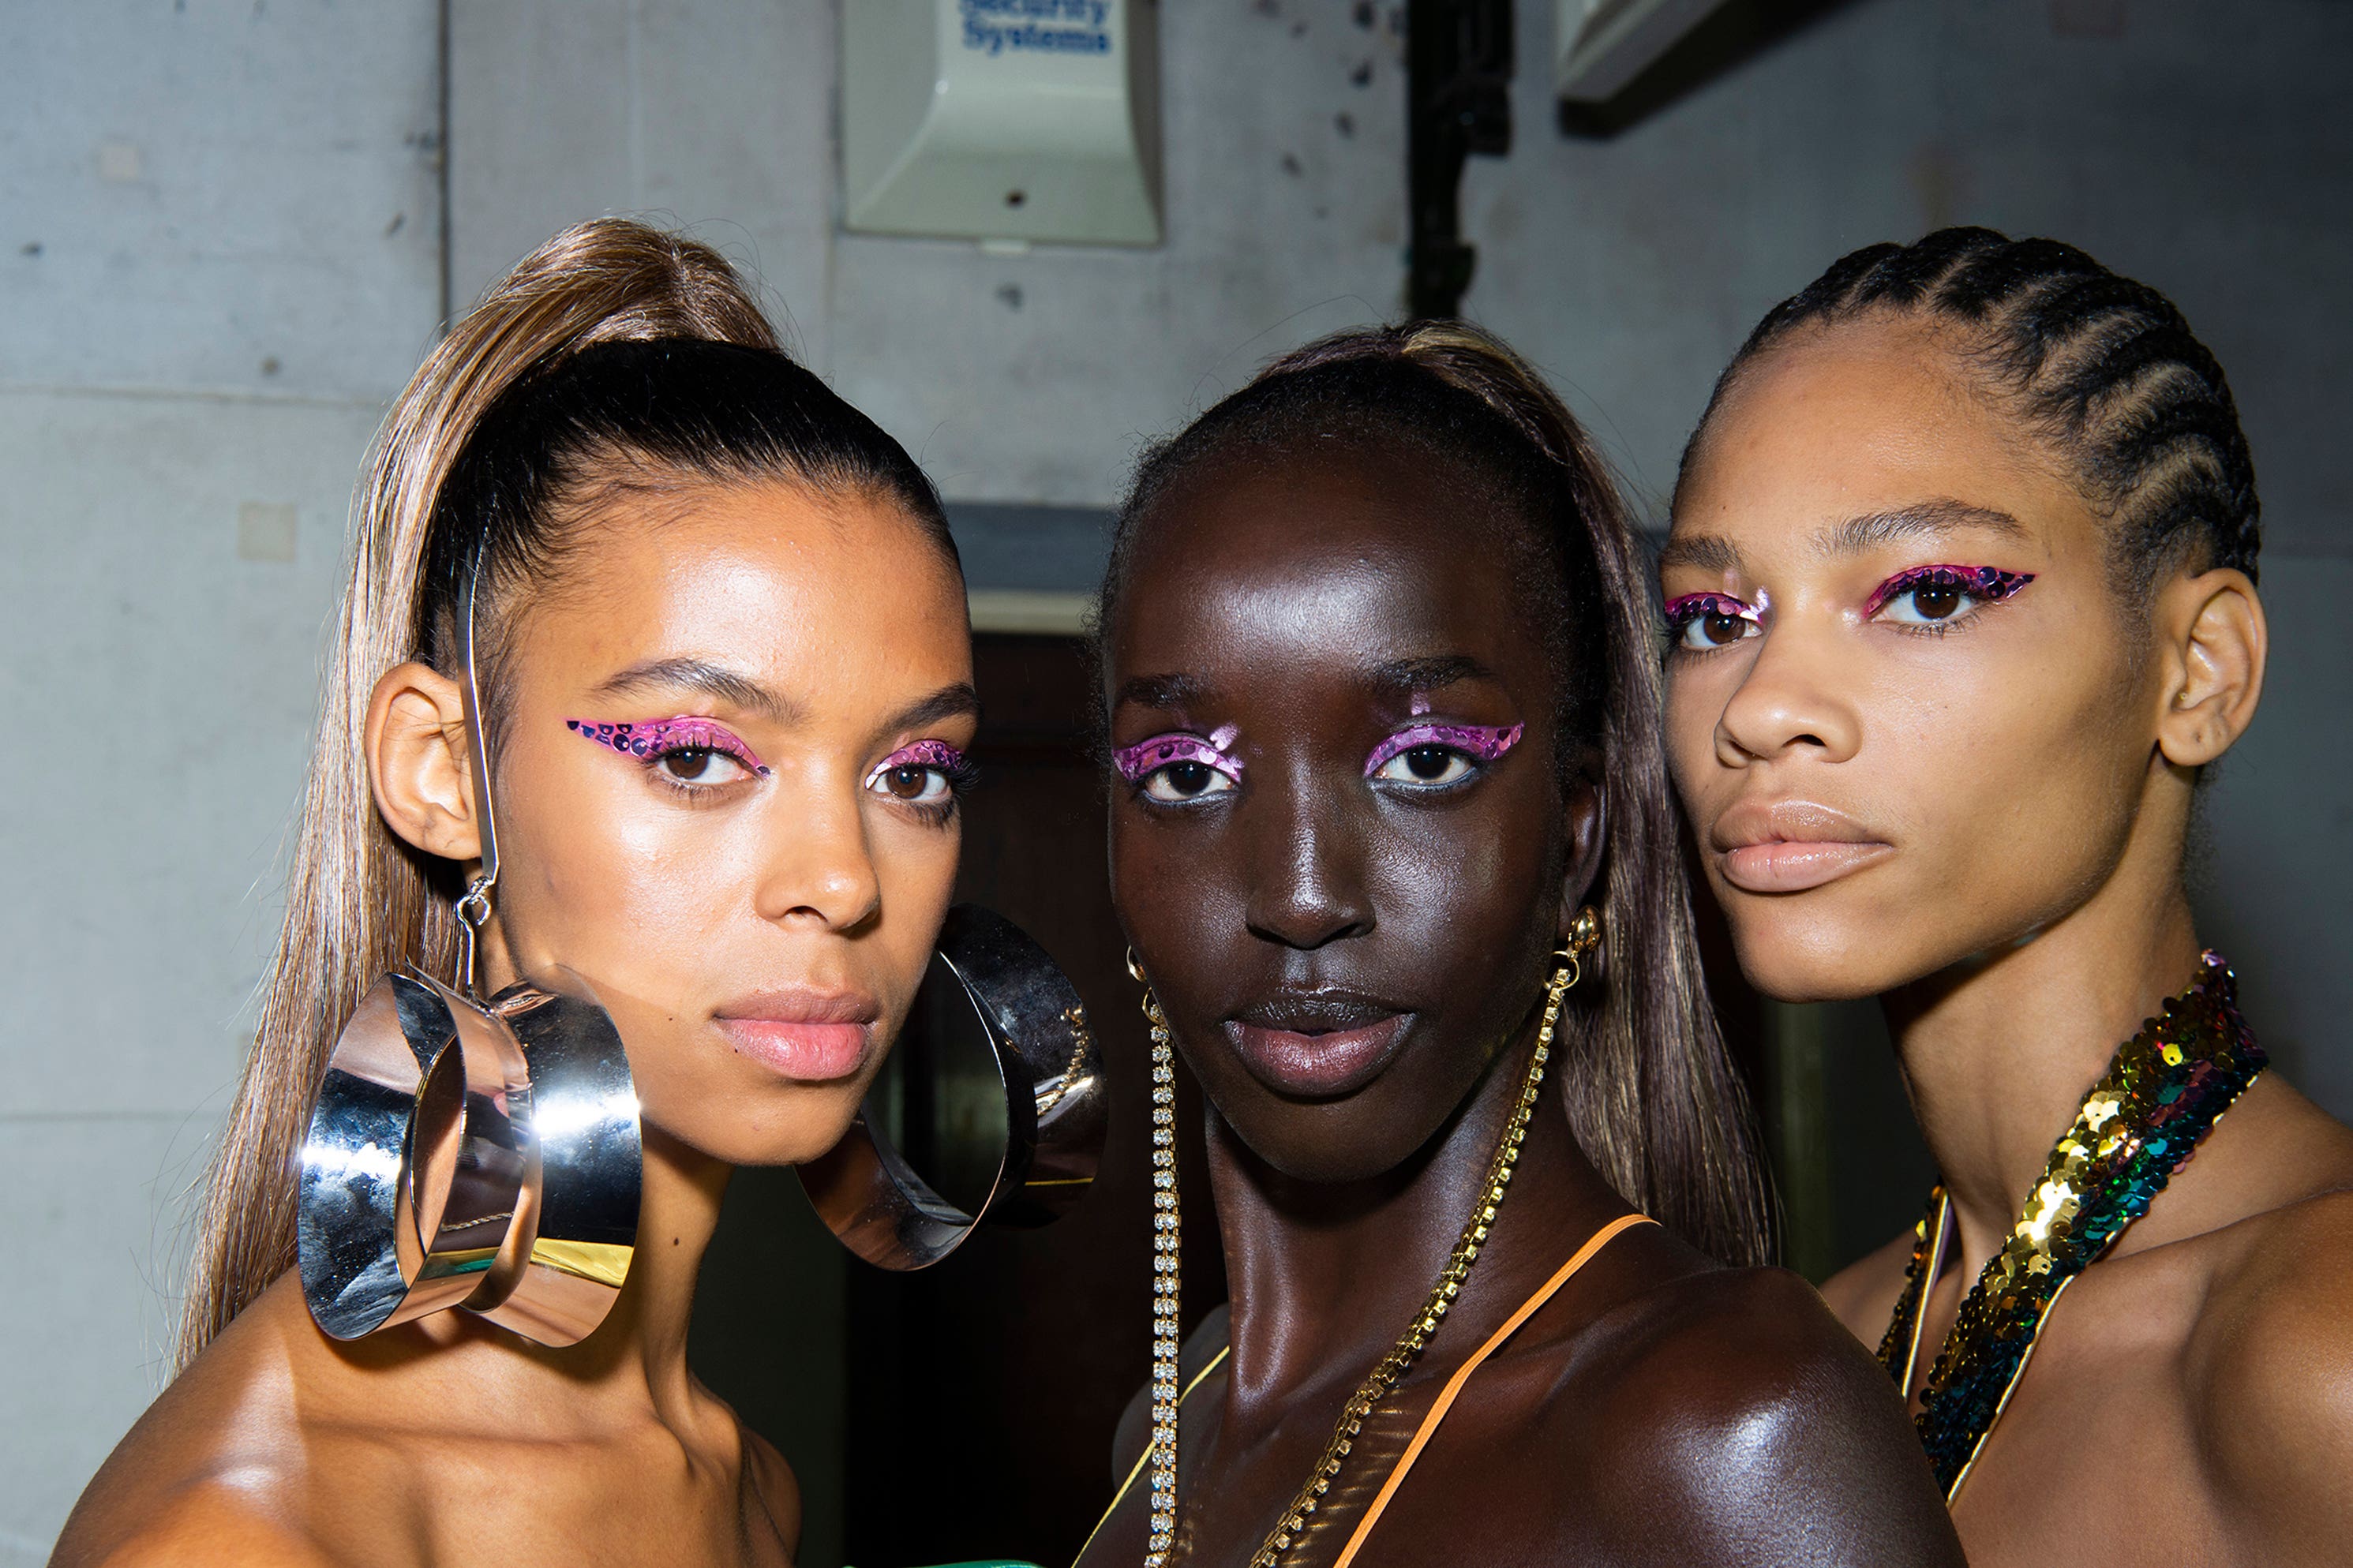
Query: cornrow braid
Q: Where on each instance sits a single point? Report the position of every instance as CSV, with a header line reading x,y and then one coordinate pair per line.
x,y
2105,369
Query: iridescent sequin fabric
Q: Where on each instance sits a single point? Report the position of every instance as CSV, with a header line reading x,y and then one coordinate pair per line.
x,y
2166,1087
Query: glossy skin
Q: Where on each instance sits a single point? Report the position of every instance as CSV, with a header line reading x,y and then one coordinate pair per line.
x,y
813,893
2003,805
1661,1409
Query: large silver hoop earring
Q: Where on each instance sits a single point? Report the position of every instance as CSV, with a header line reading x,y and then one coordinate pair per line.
x,y
472,1154
1055,1106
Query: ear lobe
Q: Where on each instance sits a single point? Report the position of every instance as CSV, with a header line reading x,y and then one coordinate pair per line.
x,y
2219,640
418,767
1587,831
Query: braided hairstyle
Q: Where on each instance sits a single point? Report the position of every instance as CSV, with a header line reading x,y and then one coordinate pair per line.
x,y
1650,1090
2104,369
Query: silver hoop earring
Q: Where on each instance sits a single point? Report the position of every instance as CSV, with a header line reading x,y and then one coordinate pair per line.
x,y
1055,1105
478,1155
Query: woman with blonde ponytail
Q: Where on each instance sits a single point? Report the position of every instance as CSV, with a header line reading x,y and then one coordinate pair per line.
x,y
1392,838
665,531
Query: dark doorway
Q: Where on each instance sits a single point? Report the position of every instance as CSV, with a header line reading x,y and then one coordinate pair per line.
x,y
983,1393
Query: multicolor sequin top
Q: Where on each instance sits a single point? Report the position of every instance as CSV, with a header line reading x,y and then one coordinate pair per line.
x,y
2163,1091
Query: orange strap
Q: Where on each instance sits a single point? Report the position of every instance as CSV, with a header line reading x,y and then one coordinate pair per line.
x,y
1599,1239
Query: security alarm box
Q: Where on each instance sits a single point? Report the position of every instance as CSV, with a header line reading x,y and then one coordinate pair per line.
x,y
1002,120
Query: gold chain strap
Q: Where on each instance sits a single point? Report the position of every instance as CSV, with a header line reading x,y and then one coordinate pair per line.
x,y
1391,1369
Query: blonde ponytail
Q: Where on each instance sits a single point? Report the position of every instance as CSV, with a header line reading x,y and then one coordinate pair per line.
x,y
359,902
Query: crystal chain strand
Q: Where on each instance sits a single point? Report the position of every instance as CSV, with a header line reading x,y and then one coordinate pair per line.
x,y
1164,1281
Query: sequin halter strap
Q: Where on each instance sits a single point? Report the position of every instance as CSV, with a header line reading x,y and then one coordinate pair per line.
x,y
2161,1095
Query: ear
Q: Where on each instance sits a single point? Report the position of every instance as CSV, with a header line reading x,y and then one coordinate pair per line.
x,y
2214,642
1587,831
417,762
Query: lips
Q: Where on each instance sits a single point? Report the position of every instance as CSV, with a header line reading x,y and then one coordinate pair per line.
x,y
1791,846
1316,1045
806,1034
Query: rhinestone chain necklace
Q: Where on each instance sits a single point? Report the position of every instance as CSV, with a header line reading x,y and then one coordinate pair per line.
x,y
1391,1368
2163,1091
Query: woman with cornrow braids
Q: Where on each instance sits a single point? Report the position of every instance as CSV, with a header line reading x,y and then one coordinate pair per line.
x,y
1961,600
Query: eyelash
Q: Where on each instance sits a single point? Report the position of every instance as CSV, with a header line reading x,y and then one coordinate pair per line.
x,y
650,743
1683,612
1147,759
1987,585
956,770
1479,745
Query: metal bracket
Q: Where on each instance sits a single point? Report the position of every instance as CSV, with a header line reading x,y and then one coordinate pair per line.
x,y
1458,102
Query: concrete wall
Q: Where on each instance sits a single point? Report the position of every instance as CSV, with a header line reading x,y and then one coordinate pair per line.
x,y
219,254
220,251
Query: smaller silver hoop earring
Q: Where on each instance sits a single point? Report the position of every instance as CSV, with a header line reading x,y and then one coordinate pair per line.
x,y
1055,1109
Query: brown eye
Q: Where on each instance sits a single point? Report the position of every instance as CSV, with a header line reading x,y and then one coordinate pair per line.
x,y
688,764
1186,779
1720,628
1937,601
907,783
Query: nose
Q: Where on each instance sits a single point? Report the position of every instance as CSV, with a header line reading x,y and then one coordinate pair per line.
x,y
1308,888
1790,701
820,868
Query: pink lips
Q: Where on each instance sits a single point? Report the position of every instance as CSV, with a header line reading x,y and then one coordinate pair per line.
x,y
810,1036
1317,1066
1790,845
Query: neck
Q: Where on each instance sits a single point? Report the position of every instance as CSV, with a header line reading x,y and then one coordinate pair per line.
x,y
637,1357
1998,1052
1327,1276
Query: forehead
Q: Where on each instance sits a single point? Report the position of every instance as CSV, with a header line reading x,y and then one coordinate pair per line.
x,y
1348,559
769,574
1859,419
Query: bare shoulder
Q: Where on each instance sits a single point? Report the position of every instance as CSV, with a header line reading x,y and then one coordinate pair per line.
x,y
1738,1394
209,1473
2270,1364
211,1521
1862,1294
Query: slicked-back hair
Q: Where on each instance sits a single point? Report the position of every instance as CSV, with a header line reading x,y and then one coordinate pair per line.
x,y
1648,1087
615,354
2103,370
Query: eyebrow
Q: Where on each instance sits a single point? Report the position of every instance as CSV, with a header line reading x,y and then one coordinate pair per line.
x,y
1406,675
1930,520
741,691
699,675
1160,691
956,701
1706,552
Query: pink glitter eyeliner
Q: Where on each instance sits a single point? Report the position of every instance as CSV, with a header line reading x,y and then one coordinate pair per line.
x,y
1149,756
1989,584
1683,609
1482,741
655,737
923,755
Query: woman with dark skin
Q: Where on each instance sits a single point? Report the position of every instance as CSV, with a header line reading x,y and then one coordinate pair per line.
x,y
1382,604
1963,582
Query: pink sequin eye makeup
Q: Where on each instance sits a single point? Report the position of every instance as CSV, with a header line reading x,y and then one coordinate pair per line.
x,y
658,738
1176,767
1702,621
1432,755
928,772
1939,594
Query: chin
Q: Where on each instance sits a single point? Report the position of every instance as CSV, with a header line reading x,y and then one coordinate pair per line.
x,y
1795,961
789,1126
